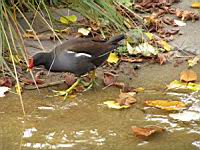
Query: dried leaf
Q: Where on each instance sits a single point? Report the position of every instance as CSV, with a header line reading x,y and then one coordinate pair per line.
x,y
115,105
113,58
188,76
179,23
186,116
132,60
6,81
195,5
144,132
162,58
193,61
84,31
109,78
126,99
166,104
165,45
3,90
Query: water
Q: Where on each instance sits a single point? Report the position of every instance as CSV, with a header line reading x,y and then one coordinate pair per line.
x,y
84,123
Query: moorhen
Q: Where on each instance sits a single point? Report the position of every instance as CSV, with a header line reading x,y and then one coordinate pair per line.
x,y
78,56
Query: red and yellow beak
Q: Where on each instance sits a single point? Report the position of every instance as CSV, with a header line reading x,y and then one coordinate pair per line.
x,y
30,63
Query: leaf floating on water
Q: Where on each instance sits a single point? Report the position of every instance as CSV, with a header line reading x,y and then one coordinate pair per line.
x,y
166,104
188,76
3,90
68,19
84,31
186,116
113,58
115,105
144,132
180,85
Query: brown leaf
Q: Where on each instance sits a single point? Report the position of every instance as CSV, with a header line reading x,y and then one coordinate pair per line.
x,y
109,78
6,81
126,99
162,58
144,132
188,76
70,79
132,60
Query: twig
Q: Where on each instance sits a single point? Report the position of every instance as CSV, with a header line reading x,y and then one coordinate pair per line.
x,y
45,85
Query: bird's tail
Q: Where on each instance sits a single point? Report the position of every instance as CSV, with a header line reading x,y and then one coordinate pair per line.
x,y
116,39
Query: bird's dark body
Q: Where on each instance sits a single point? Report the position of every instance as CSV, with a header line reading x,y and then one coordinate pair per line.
x,y
77,56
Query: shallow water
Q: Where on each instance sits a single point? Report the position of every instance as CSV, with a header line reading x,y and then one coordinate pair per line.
x,y
84,123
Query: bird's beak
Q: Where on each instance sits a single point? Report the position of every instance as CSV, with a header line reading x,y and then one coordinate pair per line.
x,y
30,63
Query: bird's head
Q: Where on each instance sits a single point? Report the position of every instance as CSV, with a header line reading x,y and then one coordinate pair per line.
x,y
36,60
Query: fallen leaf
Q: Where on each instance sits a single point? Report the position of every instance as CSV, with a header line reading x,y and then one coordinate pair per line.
x,y
109,78
3,90
166,104
144,132
149,35
115,105
180,85
194,61
113,58
6,81
126,99
195,5
68,19
165,45
145,49
132,60
188,76
18,89
84,31
179,23
138,90
162,58
186,116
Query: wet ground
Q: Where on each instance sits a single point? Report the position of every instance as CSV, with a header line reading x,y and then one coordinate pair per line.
x,y
84,123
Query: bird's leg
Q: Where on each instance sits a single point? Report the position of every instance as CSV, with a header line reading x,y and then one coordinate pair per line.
x,y
69,90
92,81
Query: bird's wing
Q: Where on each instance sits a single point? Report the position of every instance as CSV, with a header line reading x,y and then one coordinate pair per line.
x,y
87,46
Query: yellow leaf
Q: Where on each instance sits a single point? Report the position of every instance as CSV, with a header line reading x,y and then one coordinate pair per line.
x,y
18,89
113,58
180,85
165,45
114,105
195,5
149,35
68,19
166,104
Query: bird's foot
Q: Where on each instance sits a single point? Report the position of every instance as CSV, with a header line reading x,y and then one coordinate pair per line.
x,y
69,90
89,85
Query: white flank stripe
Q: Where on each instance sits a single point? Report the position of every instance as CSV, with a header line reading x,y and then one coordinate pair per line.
x,y
82,54
70,52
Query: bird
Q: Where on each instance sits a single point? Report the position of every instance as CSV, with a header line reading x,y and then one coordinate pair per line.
x,y
78,56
